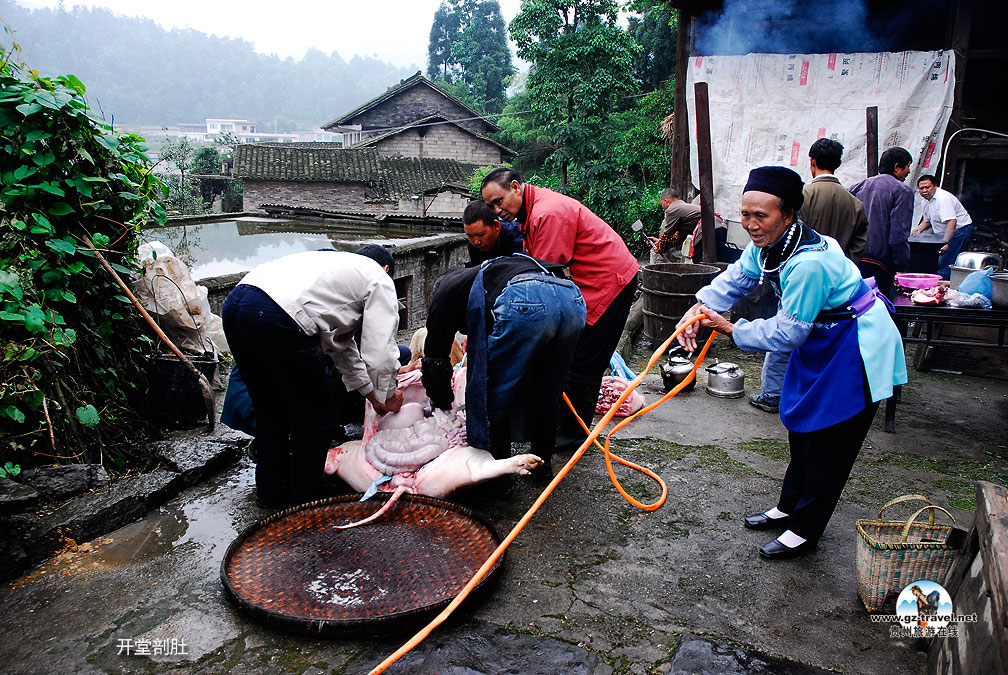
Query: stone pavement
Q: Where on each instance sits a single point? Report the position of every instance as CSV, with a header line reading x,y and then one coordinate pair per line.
x,y
592,585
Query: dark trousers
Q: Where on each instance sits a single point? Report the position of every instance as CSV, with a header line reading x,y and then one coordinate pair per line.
x,y
594,350
883,277
821,462
285,372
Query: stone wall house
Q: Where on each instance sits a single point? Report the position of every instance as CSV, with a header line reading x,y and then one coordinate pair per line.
x,y
434,136
350,181
412,99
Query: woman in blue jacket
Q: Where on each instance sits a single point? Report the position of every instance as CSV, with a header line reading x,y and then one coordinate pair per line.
x,y
847,353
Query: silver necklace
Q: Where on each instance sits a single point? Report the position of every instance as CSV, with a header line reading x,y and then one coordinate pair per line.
x,y
760,259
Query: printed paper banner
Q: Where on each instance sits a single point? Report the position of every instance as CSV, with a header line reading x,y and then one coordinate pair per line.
x,y
769,108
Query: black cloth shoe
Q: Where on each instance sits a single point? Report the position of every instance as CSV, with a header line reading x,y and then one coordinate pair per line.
x,y
778,551
761,521
763,402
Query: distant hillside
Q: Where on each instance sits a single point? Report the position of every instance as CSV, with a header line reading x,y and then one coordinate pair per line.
x,y
141,73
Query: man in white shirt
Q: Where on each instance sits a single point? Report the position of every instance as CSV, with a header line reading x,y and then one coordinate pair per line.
x,y
282,320
947,218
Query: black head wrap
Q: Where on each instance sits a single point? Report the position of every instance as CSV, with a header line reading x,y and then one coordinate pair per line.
x,y
779,181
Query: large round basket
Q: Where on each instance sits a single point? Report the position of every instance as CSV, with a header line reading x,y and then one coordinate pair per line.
x,y
296,570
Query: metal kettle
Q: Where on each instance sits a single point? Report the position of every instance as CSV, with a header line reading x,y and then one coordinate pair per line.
x,y
676,369
725,380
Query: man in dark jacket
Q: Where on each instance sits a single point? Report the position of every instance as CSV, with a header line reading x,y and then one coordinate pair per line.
x,y
829,209
522,323
889,204
489,237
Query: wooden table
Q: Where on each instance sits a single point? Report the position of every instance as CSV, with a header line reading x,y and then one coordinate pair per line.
x,y
923,324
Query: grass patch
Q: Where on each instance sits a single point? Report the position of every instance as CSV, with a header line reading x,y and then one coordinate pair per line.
x,y
767,447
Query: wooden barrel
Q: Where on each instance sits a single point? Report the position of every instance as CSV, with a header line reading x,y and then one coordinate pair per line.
x,y
669,289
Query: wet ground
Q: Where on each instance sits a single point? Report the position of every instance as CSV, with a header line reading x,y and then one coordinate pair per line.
x,y
592,585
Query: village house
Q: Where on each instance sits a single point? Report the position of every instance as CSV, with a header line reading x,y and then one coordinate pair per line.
x,y
408,153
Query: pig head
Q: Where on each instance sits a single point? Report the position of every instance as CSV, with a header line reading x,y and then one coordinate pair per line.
x,y
423,450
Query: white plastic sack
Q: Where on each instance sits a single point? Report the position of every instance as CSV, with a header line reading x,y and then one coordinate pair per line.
x,y
169,294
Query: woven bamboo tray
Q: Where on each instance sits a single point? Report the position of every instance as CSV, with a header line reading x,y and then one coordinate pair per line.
x,y
295,570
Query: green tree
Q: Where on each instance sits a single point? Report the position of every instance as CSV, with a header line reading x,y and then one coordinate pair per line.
x,y
582,69
442,34
468,53
184,196
71,367
655,31
206,161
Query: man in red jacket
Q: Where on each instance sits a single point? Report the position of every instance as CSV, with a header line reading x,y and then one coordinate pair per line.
x,y
562,230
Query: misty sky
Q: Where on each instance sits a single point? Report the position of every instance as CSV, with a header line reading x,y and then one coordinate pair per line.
x,y
396,31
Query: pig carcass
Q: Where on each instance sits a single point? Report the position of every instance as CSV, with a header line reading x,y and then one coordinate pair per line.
x,y
419,450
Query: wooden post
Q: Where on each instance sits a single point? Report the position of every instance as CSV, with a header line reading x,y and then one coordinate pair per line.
x,y
871,146
679,178
958,40
706,172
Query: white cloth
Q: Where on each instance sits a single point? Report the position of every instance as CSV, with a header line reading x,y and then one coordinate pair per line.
x,y
769,108
333,294
943,207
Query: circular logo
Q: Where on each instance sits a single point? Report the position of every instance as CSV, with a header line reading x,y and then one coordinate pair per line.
x,y
924,604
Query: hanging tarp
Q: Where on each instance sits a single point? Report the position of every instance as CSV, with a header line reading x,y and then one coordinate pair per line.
x,y
769,108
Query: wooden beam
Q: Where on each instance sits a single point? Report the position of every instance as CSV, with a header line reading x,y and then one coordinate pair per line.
x,y
706,166
871,144
679,177
992,530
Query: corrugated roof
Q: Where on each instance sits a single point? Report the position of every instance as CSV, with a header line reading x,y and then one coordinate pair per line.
x,y
409,82
391,177
373,141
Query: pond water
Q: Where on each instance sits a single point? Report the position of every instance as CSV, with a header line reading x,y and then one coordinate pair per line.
x,y
230,246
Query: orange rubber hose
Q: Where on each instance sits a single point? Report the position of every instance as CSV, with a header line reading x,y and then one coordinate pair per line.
x,y
422,634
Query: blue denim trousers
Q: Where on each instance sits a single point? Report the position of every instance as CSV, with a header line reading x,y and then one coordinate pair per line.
x,y
285,372
772,377
538,319
960,239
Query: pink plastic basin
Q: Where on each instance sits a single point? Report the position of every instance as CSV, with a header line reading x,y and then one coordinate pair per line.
x,y
917,280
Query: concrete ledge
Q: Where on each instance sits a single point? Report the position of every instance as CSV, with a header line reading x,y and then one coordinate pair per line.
x,y
28,538
196,458
88,516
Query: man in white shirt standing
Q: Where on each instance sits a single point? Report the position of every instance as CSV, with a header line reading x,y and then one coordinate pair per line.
x,y
282,320
947,218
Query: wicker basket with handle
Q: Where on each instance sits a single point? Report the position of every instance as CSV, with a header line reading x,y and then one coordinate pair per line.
x,y
894,553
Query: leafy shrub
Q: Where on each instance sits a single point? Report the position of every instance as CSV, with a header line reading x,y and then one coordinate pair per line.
x,y
71,372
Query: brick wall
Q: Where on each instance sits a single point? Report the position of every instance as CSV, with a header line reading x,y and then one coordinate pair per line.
x,y
309,194
444,141
344,197
411,105
421,265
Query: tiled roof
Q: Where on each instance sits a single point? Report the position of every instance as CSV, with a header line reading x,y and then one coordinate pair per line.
x,y
391,177
284,162
402,175
433,119
393,91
